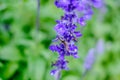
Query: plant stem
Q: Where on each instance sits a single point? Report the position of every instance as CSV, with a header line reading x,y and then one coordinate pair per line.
x,y
38,15
83,75
37,21
58,75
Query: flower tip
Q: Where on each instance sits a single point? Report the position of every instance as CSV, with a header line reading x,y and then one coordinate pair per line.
x,y
53,72
76,56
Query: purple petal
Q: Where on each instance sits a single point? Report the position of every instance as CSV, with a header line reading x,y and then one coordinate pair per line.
x,y
77,33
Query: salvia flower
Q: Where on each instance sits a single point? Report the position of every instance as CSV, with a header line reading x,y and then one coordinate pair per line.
x,y
92,55
90,58
100,46
75,12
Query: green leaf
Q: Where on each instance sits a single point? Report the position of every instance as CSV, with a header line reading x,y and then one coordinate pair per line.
x,y
10,53
9,70
36,69
71,77
1,65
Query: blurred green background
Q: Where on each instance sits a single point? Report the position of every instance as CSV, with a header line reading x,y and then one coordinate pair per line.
x,y
24,53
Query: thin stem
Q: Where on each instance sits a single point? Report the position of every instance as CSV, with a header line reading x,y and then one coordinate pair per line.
x,y
37,21
83,75
38,15
58,75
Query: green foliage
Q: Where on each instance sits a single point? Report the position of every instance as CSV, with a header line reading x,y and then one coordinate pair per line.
x,y
24,53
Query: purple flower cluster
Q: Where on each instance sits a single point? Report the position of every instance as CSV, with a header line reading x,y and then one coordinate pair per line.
x,y
75,12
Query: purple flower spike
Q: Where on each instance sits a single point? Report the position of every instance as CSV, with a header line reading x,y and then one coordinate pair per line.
x,y
75,12
89,60
100,46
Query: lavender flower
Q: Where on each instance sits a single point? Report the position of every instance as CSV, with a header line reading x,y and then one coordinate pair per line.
x,y
75,12
100,46
92,55
89,60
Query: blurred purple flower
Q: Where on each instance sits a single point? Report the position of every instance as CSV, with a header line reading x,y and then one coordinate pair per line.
x,y
103,10
91,56
89,60
100,46
97,3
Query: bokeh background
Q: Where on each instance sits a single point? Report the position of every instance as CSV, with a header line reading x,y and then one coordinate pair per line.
x,y
24,53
